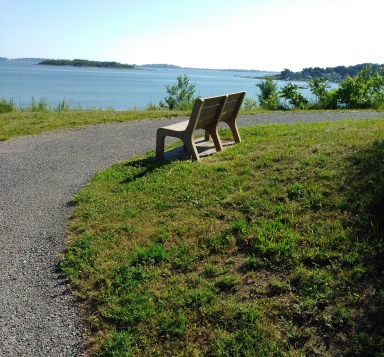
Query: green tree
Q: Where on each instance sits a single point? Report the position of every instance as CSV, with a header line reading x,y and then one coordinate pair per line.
x,y
181,95
268,97
365,90
286,73
295,98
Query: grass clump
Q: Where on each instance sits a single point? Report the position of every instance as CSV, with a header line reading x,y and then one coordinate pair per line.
x,y
7,106
273,247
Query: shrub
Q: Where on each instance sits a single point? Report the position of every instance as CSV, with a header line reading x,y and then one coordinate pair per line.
x,y
295,98
365,90
181,95
249,104
324,99
268,97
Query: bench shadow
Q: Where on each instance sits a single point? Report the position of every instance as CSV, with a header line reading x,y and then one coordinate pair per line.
x,y
365,182
204,148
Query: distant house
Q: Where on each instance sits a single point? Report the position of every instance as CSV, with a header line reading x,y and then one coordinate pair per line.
x,y
327,75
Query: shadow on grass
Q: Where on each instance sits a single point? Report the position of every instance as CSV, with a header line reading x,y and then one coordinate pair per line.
x,y
365,182
204,148
145,167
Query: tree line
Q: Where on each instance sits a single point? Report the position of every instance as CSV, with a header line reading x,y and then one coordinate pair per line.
x,y
335,73
363,91
85,63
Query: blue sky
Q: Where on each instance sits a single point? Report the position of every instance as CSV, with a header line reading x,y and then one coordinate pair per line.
x,y
242,34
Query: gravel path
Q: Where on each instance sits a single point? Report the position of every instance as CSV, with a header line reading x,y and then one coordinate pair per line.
x,y
38,177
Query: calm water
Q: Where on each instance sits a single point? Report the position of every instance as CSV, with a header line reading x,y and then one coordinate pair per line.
x,y
112,88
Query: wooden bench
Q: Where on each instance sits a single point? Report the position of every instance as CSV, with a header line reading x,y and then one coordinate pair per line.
x,y
206,114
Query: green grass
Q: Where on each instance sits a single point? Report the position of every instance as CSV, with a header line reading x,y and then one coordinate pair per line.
x,y
273,247
38,118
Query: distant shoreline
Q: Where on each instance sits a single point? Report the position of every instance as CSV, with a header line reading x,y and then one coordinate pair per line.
x,y
134,66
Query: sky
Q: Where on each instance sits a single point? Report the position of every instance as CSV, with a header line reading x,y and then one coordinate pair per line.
x,y
267,35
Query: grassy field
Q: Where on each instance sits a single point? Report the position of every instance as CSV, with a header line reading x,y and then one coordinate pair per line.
x,y
273,247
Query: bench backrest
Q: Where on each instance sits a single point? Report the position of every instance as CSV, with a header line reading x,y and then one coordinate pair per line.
x,y
206,111
232,106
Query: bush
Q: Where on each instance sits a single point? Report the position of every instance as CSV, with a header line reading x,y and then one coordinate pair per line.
x,y
249,104
268,97
324,99
181,95
364,91
7,106
295,98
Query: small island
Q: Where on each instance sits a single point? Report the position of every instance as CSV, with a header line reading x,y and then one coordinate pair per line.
x,y
85,63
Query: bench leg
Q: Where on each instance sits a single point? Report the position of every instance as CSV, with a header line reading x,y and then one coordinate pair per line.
x,y
214,133
191,148
235,131
216,140
160,137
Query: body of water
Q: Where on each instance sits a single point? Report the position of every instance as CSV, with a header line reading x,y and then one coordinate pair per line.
x,y
119,89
